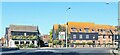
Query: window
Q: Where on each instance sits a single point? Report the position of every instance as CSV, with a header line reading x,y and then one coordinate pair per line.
x,y
74,36
80,29
87,36
22,42
104,36
73,29
94,37
80,36
115,30
92,29
108,31
117,37
33,42
98,30
103,31
27,42
16,42
109,37
87,29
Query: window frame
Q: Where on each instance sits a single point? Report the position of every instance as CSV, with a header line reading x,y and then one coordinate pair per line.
x,y
80,36
87,36
74,36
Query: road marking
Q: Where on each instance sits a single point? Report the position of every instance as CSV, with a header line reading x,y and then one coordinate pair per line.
x,y
47,50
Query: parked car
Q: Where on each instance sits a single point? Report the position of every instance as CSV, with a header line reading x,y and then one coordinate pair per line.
x,y
45,44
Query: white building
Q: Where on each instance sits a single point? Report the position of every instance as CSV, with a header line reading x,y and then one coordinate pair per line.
x,y
21,34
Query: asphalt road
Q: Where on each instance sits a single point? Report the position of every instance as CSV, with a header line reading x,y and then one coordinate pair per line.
x,y
61,51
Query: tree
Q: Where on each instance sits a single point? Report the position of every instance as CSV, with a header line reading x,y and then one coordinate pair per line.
x,y
49,41
83,43
55,42
51,34
60,29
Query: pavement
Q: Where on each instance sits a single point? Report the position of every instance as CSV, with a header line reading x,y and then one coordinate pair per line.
x,y
116,51
60,51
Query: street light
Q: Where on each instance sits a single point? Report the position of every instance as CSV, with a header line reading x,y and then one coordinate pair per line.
x,y
110,30
118,22
66,25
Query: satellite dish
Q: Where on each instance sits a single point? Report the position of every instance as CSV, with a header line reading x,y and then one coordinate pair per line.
x,y
107,2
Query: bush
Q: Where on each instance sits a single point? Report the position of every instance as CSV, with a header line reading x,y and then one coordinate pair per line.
x,y
31,46
109,44
60,42
76,43
83,43
89,43
50,41
18,46
55,42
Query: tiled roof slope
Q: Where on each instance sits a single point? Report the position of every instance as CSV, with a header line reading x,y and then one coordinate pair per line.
x,y
23,28
82,25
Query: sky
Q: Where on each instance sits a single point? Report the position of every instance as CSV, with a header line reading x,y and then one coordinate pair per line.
x,y
60,0
46,14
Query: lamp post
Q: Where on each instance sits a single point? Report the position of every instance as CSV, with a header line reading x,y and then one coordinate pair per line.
x,y
118,27
118,22
66,26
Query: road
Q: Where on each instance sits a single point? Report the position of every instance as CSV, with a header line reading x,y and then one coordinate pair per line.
x,y
61,51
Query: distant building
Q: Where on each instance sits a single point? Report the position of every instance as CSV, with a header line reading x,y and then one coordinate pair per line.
x,y
45,38
21,34
2,41
87,32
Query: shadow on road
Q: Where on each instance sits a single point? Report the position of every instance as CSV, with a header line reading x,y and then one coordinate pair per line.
x,y
52,53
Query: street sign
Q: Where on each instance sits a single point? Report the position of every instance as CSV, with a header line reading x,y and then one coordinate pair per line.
x,y
61,35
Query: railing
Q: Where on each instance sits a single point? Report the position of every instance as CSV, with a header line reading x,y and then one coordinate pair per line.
x,y
24,37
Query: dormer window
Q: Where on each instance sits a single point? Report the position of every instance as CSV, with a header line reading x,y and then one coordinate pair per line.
x,y
108,31
101,30
93,30
73,29
98,30
115,30
86,29
80,30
